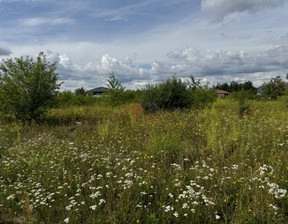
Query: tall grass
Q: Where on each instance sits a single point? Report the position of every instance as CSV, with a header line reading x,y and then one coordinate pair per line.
x,y
215,165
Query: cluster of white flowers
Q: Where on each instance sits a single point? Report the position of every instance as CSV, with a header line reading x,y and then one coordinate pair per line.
x,y
276,191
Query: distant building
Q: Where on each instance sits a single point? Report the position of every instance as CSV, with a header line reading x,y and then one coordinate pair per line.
x,y
222,93
260,90
97,92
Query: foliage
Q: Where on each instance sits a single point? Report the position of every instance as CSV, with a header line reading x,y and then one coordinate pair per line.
x,y
170,94
274,88
175,93
236,87
67,98
201,96
115,92
80,92
27,87
208,165
243,98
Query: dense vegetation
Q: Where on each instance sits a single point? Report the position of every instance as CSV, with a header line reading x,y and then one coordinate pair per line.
x,y
27,87
193,166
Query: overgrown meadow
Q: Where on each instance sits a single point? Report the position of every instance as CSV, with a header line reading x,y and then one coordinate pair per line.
x,y
214,165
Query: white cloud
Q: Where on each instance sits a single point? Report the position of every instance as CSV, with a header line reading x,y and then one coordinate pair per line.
x,y
37,21
219,9
96,74
209,63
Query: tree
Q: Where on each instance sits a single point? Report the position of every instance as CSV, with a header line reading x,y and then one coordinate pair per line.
x,y
80,92
170,94
274,88
115,92
224,86
27,87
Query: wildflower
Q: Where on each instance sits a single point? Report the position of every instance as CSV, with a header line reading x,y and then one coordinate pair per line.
x,y
170,195
66,220
95,195
185,205
234,167
217,217
168,208
12,196
102,201
68,207
129,175
176,214
93,207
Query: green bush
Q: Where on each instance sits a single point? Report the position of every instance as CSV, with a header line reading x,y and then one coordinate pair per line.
x,y
202,96
27,87
170,94
176,93
67,98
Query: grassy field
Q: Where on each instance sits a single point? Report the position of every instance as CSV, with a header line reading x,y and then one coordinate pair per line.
x,y
215,165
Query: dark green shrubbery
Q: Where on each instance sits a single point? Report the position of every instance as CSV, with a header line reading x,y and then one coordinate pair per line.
x,y
113,96
27,87
275,88
175,93
67,98
170,94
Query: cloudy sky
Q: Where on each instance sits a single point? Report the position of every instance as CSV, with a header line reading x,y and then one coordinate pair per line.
x,y
146,41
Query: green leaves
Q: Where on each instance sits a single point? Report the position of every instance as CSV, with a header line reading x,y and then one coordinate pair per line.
x,y
115,92
27,87
274,88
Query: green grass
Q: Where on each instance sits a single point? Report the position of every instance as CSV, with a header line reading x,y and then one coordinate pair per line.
x,y
216,165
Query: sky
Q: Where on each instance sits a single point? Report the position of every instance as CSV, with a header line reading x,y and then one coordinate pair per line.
x,y
146,41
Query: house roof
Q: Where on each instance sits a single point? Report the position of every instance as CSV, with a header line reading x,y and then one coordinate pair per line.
x,y
221,91
98,90
260,89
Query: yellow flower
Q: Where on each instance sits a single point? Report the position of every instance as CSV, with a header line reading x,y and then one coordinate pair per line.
x,y
137,221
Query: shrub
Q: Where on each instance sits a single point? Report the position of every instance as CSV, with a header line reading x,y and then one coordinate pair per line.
x,y
115,92
27,87
274,88
170,94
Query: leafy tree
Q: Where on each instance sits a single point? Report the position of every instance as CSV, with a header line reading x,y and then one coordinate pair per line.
x,y
115,92
274,88
193,84
202,95
224,86
170,94
234,86
27,87
80,92
237,87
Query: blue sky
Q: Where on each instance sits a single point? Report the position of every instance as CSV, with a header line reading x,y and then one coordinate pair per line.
x,y
147,41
